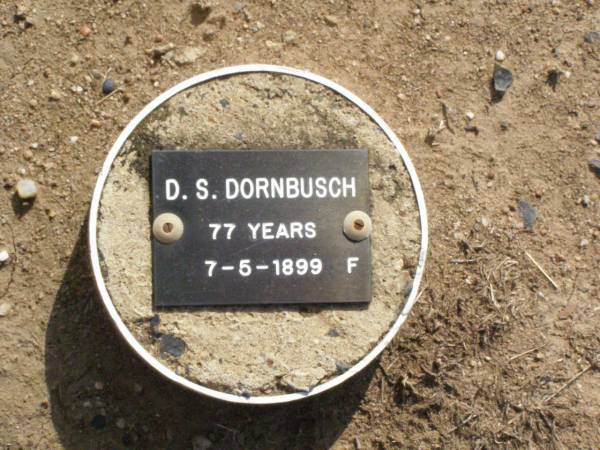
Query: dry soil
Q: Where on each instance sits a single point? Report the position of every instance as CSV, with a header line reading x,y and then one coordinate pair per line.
x,y
492,355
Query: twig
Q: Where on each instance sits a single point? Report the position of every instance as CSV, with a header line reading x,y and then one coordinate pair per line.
x,y
548,277
109,95
493,296
463,261
527,352
568,383
390,365
463,423
445,111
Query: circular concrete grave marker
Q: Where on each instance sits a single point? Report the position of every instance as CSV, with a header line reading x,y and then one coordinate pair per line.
x,y
258,234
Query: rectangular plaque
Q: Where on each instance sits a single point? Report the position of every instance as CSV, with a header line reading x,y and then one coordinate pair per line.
x,y
260,227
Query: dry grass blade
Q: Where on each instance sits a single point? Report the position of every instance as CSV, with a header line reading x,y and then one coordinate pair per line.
x,y
568,383
527,352
548,277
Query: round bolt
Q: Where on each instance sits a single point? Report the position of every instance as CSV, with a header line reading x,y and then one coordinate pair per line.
x,y
357,226
167,228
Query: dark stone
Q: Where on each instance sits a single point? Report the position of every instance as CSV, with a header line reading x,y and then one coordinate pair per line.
x,y
154,324
342,366
332,333
591,36
172,345
108,86
595,166
553,78
528,213
98,422
408,288
503,79
224,103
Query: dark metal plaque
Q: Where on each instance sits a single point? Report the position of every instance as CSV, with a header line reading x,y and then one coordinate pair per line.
x,y
260,227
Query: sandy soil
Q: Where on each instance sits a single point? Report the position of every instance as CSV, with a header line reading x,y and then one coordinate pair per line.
x,y
492,356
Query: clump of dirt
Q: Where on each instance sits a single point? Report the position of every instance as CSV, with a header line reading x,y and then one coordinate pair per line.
x,y
271,349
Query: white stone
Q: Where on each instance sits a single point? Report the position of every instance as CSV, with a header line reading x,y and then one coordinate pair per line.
x,y
470,115
73,139
4,309
4,256
26,189
500,56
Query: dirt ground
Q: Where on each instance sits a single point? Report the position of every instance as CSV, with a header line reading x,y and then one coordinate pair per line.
x,y
492,356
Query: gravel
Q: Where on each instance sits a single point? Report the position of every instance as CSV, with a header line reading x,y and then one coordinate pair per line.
x,y
26,189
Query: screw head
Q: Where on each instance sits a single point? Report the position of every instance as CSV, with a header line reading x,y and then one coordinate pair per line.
x,y
357,226
167,228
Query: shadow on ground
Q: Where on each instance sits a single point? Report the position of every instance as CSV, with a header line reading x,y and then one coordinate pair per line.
x,y
102,396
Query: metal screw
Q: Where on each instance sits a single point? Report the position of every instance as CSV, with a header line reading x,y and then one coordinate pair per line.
x,y
357,226
167,228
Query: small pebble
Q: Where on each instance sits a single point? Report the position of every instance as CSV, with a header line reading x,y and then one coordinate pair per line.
x,y
470,115
73,140
172,345
108,86
99,385
95,124
54,95
201,443
595,166
584,243
332,21
26,189
500,56
591,36
503,79
585,201
4,256
120,423
289,37
28,155
4,309
85,31
597,136
528,213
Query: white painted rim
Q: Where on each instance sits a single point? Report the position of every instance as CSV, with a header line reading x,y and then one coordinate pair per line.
x,y
93,244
